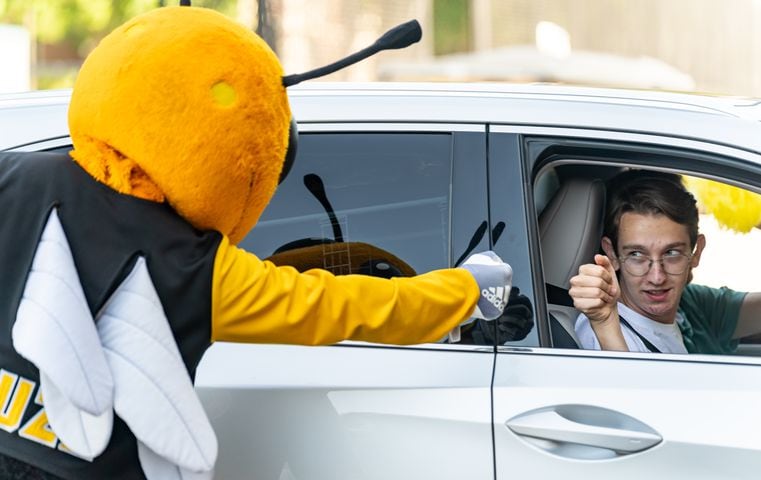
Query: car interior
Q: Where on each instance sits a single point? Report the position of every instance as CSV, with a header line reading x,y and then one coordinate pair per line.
x,y
569,202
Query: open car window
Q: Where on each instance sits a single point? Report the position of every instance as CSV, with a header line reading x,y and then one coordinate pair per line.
x,y
569,200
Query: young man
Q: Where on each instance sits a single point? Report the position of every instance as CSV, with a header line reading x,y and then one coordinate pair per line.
x,y
638,297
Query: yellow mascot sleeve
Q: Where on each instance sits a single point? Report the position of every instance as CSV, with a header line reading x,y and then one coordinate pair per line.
x,y
255,301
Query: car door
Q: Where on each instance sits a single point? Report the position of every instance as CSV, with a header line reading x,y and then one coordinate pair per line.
x,y
359,410
601,415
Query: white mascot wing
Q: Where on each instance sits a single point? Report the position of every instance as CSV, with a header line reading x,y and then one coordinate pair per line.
x,y
158,467
153,391
54,330
84,434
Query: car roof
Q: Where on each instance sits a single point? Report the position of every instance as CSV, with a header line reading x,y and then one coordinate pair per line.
x,y
727,121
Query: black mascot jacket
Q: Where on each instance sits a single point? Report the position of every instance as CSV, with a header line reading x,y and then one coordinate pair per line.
x,y
106,231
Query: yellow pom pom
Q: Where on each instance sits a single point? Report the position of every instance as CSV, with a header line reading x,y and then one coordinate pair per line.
x,y
734,208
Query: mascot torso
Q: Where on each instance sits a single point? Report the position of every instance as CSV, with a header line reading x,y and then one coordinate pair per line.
x,y
106,231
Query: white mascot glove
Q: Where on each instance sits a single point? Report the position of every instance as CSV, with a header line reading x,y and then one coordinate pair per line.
x,y
494,278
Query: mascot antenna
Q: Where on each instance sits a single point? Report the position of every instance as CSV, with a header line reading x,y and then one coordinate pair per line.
x,y
401,36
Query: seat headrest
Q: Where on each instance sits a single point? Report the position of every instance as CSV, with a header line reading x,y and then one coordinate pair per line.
x,y
570,227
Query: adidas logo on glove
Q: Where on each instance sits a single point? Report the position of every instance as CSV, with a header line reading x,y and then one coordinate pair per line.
x,y
496,296
494,278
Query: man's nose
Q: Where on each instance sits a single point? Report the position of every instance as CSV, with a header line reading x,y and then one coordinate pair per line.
x,y
656,275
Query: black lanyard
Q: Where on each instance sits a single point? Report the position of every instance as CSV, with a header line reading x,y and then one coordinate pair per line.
x,y
647,342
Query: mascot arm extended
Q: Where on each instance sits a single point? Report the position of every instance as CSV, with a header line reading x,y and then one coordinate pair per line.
x,y
256,301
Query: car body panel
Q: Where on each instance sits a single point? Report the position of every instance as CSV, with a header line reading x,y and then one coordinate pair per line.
x,y
722,121
705,410
348,412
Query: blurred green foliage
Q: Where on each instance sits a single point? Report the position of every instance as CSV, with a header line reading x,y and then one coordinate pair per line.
x,y
451,26
77,26
82,23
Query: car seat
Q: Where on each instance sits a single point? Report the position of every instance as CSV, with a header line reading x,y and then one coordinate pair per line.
x,y
570,227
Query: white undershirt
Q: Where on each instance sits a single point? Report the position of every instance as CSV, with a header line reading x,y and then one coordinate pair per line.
x,y
665,337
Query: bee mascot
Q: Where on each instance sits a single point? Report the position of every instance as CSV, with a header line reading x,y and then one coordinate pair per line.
x,y
120,265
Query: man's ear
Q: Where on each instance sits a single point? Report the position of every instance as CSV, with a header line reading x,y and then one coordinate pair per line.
x,y
700,244
610,252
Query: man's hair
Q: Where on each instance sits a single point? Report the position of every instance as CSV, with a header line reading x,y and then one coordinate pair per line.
x,y
648,192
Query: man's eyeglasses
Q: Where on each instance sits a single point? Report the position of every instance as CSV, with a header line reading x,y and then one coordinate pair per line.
x,y
639,265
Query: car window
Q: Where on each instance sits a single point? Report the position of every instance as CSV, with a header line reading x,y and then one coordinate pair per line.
x,y
731,259
727,247
353,201
569,201
387,190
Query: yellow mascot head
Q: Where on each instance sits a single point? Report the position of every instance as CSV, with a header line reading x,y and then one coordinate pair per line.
x,y
186,106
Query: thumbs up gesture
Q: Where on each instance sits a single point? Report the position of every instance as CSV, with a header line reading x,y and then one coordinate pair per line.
x,y
595,290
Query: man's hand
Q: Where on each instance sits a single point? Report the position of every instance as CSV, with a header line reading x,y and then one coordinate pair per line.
x,y
595,289
595,292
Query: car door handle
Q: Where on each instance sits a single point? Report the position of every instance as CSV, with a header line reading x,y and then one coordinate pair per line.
x,y
548,424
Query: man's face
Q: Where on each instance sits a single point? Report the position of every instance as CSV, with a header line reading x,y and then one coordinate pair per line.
x,y
656,294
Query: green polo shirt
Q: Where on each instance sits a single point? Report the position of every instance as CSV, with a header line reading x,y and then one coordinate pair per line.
x,y
710,319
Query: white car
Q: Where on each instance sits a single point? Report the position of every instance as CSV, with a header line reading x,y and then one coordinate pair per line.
x,y
430,172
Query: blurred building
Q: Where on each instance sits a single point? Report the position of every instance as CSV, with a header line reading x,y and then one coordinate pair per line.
x,y
702,45
718,44
314,33
15,58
